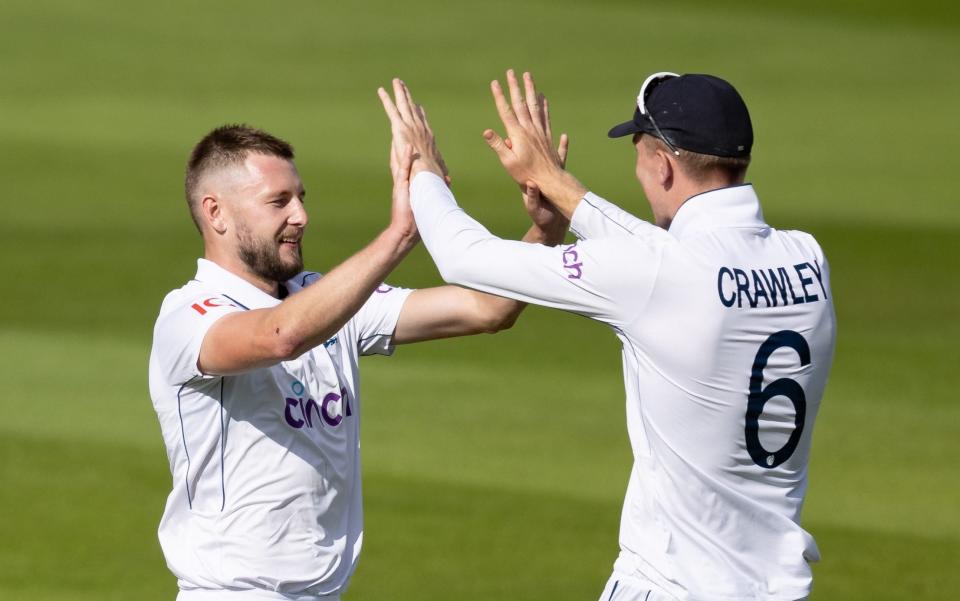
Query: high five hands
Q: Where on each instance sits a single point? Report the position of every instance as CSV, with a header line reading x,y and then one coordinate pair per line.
x,y
527,153
411,132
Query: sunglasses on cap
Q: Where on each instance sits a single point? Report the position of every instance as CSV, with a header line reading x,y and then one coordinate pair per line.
x,y
648,85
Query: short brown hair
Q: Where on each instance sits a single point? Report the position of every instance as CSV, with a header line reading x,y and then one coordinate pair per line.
x,y
700,167
225,146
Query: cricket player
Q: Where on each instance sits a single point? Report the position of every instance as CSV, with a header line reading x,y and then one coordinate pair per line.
x,y
727,327
254,375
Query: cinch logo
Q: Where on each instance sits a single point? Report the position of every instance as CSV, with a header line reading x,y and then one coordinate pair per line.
x,y
212,302
301,412
571,262
383,289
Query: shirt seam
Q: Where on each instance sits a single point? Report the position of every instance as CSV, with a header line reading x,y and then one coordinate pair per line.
x,y
607,217
183,439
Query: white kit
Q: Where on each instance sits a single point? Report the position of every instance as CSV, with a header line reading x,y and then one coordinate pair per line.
x,y
266,495
728,328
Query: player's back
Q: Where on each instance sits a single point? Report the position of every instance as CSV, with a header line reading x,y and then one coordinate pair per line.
x,y
727,363
727,329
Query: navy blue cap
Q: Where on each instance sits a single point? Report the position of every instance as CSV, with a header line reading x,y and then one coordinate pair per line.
x,y
700,113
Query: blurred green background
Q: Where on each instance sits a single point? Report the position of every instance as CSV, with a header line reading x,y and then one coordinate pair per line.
x,y
494,467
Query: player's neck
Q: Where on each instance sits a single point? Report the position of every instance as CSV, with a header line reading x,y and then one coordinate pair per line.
x,y
681,191
237,267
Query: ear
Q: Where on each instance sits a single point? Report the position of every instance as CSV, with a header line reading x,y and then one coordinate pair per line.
x,y
665,168
211,210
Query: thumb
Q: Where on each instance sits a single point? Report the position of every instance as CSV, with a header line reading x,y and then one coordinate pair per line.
x,y
404,163
531,197
532,191
495,142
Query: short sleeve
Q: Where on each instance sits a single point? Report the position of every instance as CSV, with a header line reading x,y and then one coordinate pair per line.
x,y
376,320
184,321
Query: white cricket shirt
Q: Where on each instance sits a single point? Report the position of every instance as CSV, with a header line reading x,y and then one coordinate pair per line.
x,y
727,327
266,495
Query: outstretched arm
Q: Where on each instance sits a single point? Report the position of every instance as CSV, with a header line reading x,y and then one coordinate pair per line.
x,y
448,311
587,278
246,340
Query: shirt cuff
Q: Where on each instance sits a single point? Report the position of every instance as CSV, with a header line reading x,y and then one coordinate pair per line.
x,y
423,182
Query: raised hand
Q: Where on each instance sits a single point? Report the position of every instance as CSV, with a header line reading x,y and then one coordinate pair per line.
x,y
527,153
412,132
401,214
552,224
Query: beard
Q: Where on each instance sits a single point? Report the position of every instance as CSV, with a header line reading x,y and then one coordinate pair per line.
x,y
263,257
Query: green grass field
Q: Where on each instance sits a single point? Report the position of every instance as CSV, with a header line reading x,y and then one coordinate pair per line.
x,y
494,467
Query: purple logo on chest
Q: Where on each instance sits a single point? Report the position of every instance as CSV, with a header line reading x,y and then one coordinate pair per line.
x,y
571,262
331,410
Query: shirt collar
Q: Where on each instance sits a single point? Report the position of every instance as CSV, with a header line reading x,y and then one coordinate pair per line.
x,y
736,206
233,287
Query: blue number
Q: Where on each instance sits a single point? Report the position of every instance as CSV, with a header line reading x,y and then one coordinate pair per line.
x,y
759,396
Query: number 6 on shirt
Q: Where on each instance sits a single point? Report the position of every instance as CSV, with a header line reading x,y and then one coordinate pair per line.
x,y
759,396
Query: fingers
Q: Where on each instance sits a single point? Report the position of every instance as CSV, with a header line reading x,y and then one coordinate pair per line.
x,y
406,161
531,194
503,107
399,164
422,114
546,118
533,101
516,99
403,100
563,148
495,142
535,104
416,110
388,105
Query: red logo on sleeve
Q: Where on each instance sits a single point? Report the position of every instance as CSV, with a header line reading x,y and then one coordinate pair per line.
x,y
212,303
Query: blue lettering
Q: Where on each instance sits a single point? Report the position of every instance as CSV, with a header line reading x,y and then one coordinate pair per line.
x,y
797,300
758,288
769,286
743,287
727,302
818,272
805,281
